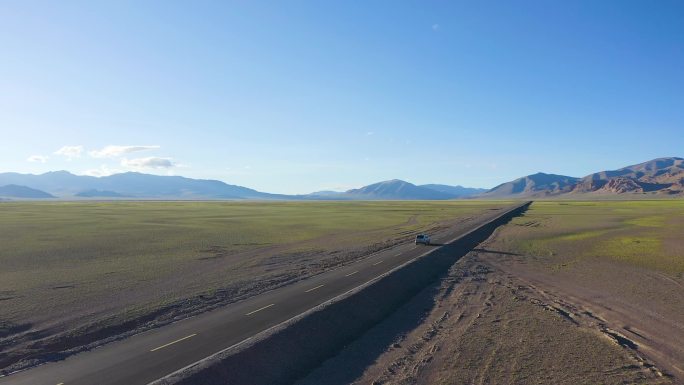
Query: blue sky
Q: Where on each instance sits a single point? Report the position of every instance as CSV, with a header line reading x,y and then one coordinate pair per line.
x,y
299,96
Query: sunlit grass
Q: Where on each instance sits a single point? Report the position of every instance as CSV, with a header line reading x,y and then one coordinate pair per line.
x,y
649,221
580,235
101,248
628,231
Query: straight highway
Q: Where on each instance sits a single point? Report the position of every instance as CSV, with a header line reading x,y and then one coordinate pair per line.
x,y
148,356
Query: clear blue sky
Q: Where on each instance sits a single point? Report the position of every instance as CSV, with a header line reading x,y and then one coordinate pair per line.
x,y
298,96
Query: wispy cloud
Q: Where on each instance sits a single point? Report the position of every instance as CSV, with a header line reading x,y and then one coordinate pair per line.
x,y
435,27
149,162
117,151
70,152
37,159
369,133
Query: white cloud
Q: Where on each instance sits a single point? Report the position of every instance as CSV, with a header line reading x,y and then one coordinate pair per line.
x,y
149,162
70,152
102,171
117,151
37,159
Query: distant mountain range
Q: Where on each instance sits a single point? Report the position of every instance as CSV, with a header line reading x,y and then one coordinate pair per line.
x,y
131,185
455,191
92,193
662,176
399,189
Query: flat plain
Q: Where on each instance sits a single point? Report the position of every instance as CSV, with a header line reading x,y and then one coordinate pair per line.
x,y
75,274
569,293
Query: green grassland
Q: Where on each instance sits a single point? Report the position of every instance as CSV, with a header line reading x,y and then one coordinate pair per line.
x,y
65,264
648,234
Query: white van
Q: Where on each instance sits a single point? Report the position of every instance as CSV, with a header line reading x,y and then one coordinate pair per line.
x,y
423,238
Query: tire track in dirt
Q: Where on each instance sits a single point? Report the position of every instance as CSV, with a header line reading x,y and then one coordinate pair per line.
x,y
484,304
652,338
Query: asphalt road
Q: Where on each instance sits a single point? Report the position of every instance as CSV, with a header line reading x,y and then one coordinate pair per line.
x,y
151,355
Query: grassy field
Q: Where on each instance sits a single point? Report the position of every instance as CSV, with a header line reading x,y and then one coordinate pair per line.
x,y
620,262
74,267
646,234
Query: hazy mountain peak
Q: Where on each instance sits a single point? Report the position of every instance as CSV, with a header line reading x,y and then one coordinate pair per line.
x,y
17,191
456,191
661,175
396,189
539,184
132,184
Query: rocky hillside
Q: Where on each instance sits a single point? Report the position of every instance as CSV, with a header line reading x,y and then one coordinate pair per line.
x,y
662,176
659,176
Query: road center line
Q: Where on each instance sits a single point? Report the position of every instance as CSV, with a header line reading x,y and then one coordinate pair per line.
x,y
260,309
352,273
314,288
171,343
61,383
377,263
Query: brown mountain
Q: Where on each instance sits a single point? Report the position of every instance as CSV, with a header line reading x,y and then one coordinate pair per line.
x,y
396,189
658,176
536,185
662,176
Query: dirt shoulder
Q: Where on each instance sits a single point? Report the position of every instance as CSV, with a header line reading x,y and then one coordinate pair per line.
x,y
485,325
644,308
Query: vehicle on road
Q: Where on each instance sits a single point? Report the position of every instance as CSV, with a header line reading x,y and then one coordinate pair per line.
x,y
423,238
